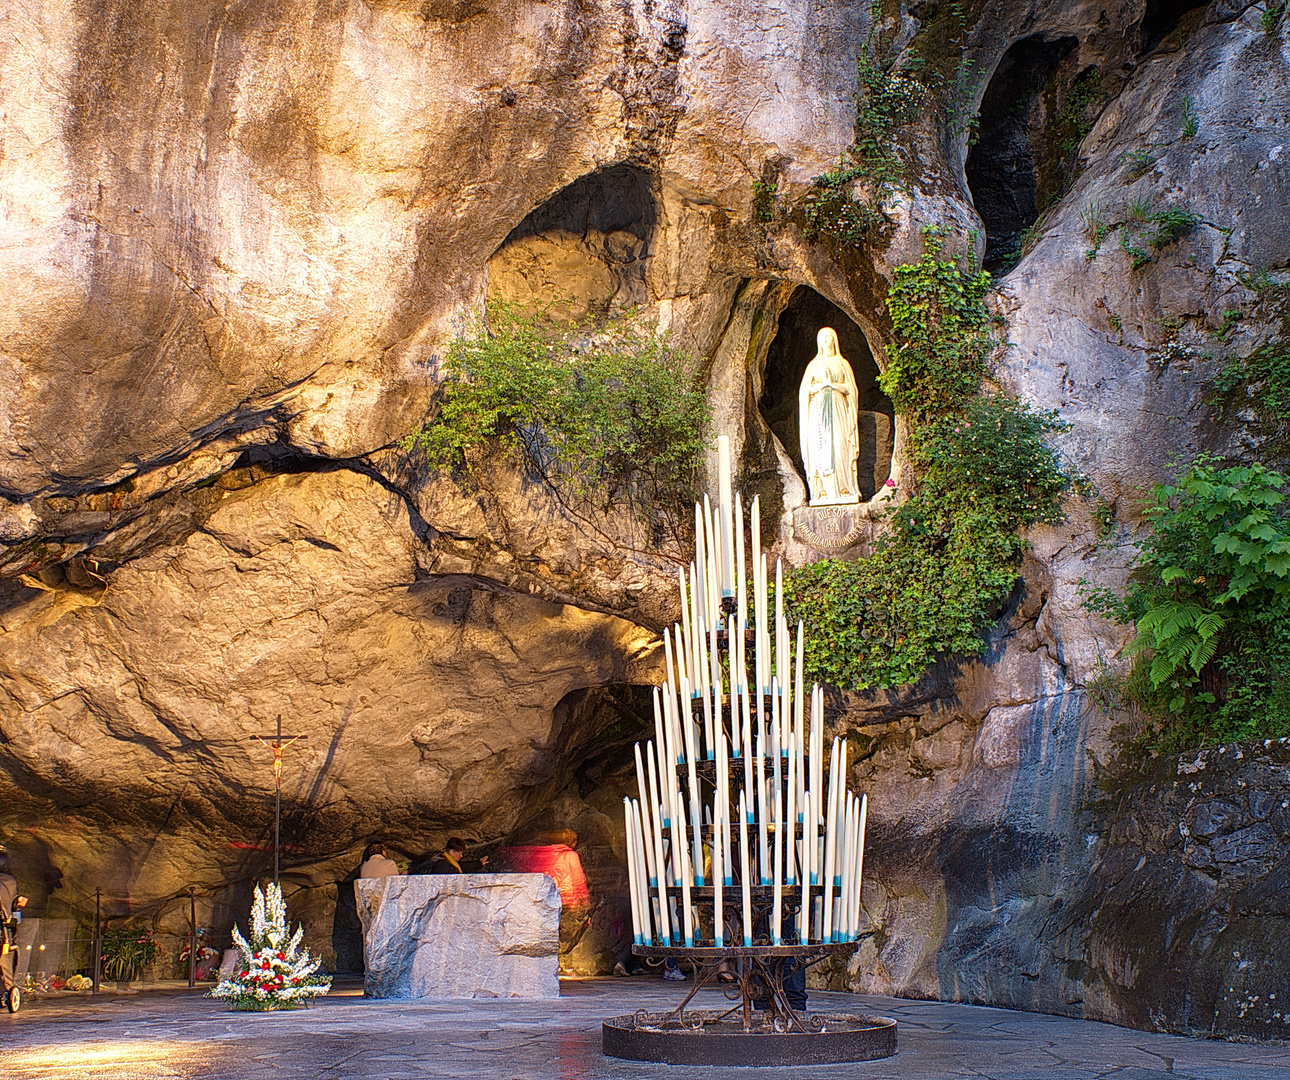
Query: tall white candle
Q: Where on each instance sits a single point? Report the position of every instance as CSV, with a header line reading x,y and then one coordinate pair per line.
x,y
712,562
696,820
718,878
746,877
850,815
714,679
722,799
700,582
687,913
830,844
683,643
664,917
724,507
757,618
647,821
679,860
647,925
763,857
741,572
790,818
781,661
632,884
777,896
859,866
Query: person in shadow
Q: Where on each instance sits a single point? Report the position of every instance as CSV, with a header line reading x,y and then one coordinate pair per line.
x,y
453,860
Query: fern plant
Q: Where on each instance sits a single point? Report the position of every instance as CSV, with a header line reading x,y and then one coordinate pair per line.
x,y
1210,601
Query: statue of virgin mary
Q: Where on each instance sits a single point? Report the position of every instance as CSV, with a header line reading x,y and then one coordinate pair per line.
x,y
828,406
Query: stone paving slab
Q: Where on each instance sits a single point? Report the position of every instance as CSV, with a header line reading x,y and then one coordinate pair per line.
x,y
179,1035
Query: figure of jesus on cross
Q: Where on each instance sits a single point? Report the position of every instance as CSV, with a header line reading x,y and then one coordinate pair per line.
x,y
275,743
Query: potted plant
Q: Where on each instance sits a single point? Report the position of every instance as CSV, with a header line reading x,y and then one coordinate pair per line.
x,y
126,952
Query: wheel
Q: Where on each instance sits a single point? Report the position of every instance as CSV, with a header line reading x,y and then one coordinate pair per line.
x,y
13,1000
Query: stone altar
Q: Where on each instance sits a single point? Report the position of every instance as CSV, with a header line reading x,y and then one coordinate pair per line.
x,y
460,936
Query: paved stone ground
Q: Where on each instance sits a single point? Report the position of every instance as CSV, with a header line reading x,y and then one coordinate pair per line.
x,y
163,1035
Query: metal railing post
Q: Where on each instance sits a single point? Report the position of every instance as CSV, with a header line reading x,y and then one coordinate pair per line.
x,y
192,938
96,950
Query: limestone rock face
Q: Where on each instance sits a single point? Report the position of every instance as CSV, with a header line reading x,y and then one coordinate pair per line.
x,y
236,240
460,936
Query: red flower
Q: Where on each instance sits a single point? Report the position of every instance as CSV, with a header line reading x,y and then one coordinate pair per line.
x,y
281,956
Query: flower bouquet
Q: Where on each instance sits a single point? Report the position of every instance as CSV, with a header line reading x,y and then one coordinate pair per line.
x,y
274,972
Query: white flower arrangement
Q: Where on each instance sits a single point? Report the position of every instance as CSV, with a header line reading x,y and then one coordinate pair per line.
x,y
274,972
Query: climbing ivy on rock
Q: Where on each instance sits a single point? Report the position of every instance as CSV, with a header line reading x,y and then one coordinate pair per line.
x,y
983,473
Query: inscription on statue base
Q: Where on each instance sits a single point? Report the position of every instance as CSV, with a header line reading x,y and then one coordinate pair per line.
x,y
830,529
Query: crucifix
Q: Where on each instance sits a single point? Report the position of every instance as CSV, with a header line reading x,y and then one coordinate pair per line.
x,y
275,743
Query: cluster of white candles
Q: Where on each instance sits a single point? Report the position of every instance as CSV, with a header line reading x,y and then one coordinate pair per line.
x,y
792,833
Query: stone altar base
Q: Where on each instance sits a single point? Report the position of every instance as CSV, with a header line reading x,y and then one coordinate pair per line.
x,y
460,936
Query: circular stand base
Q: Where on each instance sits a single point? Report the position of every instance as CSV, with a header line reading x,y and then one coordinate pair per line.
x,y
717,1038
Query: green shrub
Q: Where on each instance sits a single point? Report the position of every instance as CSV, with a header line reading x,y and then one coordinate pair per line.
x,y
599,411
126,952
940,577
1210,601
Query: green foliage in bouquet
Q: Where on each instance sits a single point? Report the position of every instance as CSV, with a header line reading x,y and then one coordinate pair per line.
x,y
126,952
274,972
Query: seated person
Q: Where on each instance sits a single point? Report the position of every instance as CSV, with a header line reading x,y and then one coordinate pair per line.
x,y
377,863
453,853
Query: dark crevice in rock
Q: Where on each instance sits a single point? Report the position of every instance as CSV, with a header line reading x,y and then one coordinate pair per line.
x,y
1002,171
1163,17
792,349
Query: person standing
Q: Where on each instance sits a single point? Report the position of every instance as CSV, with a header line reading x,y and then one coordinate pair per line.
x,y
10,902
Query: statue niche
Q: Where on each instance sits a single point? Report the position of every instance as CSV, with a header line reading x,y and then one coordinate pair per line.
x,y
828,419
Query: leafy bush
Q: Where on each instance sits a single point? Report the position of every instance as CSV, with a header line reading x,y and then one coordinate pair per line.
x,y
984,473
1210,600
126,952
599,412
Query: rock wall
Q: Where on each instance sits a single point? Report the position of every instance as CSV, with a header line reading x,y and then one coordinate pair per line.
x,y
236,240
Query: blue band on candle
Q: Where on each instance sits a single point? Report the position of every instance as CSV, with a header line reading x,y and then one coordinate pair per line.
x,y
698,880
728,881
815,878
653,883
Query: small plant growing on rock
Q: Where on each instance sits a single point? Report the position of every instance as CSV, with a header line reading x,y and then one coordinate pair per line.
x,y
274,971
1271,17
1190,118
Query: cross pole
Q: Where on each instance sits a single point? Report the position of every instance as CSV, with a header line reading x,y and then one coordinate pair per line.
x,y
275,743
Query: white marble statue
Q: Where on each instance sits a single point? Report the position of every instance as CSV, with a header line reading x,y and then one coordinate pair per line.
x,y
828,404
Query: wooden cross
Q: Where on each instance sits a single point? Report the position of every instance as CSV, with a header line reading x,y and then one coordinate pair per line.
x,y
275,743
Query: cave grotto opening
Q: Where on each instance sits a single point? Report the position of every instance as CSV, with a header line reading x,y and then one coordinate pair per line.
x,y
791,349
1005,168
587,244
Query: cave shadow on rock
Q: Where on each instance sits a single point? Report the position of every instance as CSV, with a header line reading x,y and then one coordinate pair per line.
x,y
791,350
587,244
346,928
